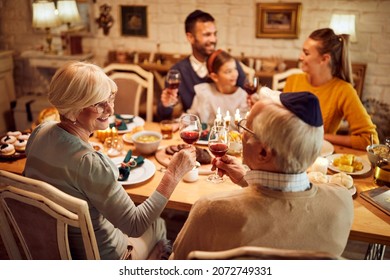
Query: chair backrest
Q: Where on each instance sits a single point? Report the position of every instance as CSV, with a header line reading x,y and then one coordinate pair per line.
x,y
249,72
36,215
279,79
261,253
132,82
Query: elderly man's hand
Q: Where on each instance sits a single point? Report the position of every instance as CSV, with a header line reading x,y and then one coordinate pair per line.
x,y
229,166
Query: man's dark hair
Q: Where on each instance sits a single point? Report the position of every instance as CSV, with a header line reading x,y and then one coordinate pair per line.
x,y
195,16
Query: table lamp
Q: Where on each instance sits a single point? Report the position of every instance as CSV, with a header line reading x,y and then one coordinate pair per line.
x,y
68,12
44,16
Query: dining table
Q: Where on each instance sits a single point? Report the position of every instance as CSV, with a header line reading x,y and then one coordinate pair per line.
x,y
370,224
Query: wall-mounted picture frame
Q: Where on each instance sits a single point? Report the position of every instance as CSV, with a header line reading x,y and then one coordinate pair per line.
x,y
134,21
278,20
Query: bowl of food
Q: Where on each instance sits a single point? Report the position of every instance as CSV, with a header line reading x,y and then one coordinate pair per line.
x,y
146,142
375,152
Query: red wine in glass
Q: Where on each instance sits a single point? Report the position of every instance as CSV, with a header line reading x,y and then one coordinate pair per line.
x,y
251,87
218,149
190,137
173,84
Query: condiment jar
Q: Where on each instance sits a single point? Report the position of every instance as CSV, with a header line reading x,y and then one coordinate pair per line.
x,y
193,175
382,169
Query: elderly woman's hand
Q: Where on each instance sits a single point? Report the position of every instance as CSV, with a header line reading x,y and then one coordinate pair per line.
x,y
229,166
181,163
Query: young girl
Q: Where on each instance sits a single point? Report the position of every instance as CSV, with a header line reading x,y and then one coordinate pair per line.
x,y
222,93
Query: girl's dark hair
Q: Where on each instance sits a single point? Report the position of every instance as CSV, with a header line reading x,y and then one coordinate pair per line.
x,y
216,60
338,48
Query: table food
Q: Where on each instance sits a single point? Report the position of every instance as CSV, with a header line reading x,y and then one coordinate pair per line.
x,y
147,138
235,146
347,163
202,155
342,179
146,141
8,139
20,145
7,149
317,177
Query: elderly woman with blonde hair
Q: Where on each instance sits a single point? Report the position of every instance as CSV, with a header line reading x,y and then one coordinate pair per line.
x,y
60,154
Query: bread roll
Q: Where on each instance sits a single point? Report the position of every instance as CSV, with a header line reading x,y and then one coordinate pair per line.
x,y
342,179
317,177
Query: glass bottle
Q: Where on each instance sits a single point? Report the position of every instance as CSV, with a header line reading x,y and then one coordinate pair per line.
x,y
382,169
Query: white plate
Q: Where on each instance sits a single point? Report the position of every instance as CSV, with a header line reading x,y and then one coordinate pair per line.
x,y
139,174
127,138
327,149
137,121
366,165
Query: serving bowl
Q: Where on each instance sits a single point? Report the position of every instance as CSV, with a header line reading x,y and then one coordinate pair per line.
x,y
146,142
375,152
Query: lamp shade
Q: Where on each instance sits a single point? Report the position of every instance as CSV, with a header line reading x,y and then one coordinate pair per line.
x,y
67,11
44,15
344,24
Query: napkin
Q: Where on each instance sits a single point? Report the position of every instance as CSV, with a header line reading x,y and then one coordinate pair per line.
x,y
125,120
121,125
128,164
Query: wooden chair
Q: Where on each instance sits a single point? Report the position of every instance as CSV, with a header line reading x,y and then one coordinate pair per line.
x,y
260,253
132,82
279,79
36,215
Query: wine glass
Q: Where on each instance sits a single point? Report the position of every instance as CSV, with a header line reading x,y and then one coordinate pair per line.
x,y
251,86
218,146
173,80
190,128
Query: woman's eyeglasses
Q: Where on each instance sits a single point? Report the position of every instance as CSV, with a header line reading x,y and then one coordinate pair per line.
x,y
101,106
241,126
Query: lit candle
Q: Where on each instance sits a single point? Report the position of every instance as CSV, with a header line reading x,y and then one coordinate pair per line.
x,y
114,132
227,119
237,117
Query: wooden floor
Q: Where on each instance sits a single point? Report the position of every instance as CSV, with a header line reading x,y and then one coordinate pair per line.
x,y
355,250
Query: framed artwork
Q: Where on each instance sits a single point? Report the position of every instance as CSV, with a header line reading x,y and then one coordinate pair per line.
x,y
278,20
134,21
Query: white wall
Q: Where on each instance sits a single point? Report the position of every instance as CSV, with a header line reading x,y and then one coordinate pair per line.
x,y
236,22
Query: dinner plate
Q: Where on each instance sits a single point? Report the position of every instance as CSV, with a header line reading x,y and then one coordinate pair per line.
x,y
366,165
137,121
139,174
127,138
327,149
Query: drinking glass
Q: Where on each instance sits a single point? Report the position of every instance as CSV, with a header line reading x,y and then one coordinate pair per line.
x,y
251,86
218,146
173,80
190,128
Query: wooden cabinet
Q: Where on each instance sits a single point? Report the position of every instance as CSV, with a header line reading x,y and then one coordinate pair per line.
x,y
7,90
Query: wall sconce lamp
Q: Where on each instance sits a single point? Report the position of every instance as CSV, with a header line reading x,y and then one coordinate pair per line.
x,y
344,24
68,12
44,16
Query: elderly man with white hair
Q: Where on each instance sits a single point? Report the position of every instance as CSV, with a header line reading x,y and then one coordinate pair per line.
x,y
277,207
